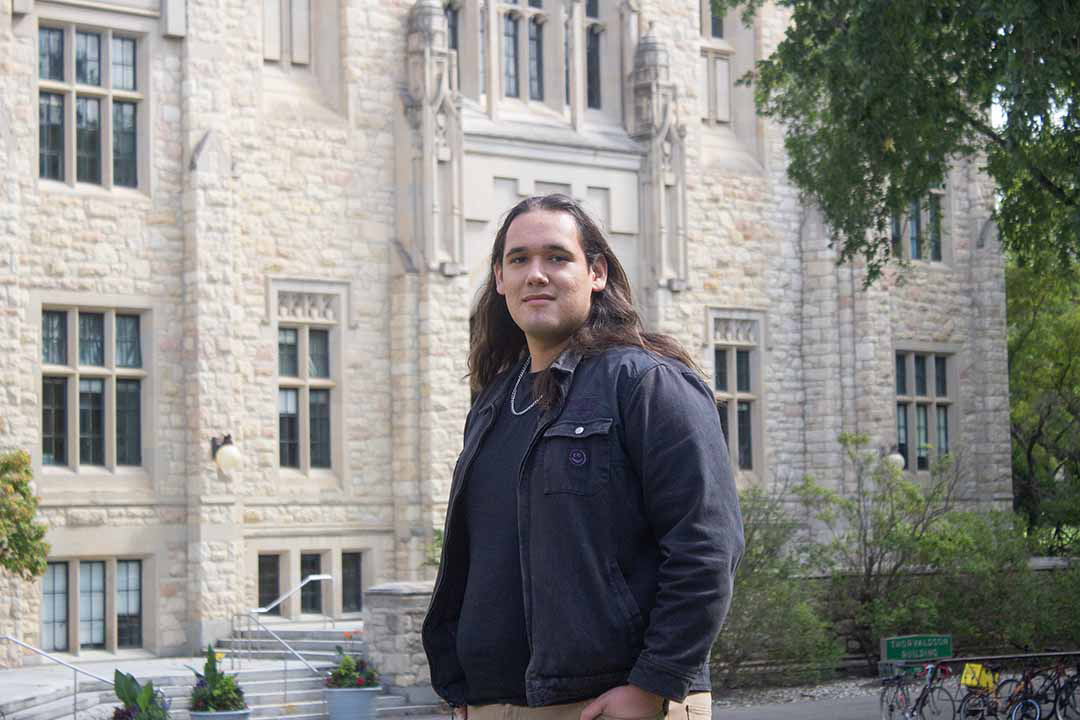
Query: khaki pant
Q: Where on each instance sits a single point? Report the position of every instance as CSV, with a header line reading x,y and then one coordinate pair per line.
x,y
696,707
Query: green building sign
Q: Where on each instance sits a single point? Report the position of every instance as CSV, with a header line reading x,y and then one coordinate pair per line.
x,y
912,648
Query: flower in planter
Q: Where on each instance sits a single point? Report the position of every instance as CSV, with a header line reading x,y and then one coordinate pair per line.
x,y
215,691
140,702
352,673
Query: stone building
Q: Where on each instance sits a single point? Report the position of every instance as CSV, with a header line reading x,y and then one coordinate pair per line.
x,y
268,219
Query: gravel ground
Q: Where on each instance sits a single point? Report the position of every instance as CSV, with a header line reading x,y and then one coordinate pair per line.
x,y
749,697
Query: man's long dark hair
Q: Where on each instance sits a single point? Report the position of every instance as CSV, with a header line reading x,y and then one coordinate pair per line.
x,y
496,343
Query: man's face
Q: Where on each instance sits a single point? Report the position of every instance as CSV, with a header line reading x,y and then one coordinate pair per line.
x,y
545,278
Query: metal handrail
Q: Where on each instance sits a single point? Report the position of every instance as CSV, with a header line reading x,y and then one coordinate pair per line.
x,y
308,579
75,673
285,645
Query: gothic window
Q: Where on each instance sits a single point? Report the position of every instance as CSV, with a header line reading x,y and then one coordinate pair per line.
x,y
308,382
918,233
92,390
923,404
89,102
737,383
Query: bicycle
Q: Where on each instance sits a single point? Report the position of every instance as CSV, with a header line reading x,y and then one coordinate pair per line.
x,y
933,702
1011,698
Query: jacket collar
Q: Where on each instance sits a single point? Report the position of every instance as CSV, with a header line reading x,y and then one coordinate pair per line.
x,y
563,366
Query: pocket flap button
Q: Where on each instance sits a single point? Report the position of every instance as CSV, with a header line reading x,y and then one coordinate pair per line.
x,y
578,430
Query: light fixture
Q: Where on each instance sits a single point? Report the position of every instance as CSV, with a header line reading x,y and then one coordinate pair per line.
x,y
225,453
895,459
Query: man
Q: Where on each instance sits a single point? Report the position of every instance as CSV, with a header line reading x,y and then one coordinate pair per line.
x,y
593,528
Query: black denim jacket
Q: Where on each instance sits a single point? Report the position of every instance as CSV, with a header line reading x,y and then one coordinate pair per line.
x,y
629,533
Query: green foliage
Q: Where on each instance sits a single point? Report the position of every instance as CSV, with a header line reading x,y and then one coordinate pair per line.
x,y
140,702
1044,395
433,551
23,549
774,616
215,691
352,673
878,537
877,98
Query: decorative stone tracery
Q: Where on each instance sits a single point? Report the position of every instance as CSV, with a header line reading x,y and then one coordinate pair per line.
x,y
663,176
432,219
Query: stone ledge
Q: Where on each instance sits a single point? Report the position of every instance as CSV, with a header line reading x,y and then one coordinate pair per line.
x,y
423,587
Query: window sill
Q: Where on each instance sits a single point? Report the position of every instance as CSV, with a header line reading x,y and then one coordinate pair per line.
x,y
297,481
717,45
121,479
91,190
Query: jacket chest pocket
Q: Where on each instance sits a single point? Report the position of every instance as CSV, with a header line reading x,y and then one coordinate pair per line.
x,y
576,457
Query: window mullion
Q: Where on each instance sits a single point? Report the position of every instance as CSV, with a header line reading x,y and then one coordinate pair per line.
x,y
109,424
303,415
74,446
107,112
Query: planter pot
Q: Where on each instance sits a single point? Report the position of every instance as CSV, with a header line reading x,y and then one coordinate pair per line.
x,y
225,715
351,703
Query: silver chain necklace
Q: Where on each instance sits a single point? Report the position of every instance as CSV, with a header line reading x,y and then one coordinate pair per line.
x,y
513,393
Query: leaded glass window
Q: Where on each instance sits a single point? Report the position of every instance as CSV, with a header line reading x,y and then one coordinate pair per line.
x,y
935,227
920,416
902,431
54,337
92,604
510,55
746,455
915,230
91,339
536,60
128,422
717,25
310,594
88,140
920,375
742,370
123,63
319,353
125,148
592,67
51,136
87,58
320,428
54,607
92,422
54,421
942,430
288,352
269,582
129,603
128,347
352,581
923,434
737,387
288,428
51,54
720,369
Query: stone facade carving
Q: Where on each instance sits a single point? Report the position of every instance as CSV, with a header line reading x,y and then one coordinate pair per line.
x,y
663,176
432,219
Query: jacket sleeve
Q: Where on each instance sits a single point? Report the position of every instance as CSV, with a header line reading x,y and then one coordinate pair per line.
x,y
674,439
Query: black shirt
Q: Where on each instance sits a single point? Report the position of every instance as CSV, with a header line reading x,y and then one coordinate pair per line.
x,y
491,644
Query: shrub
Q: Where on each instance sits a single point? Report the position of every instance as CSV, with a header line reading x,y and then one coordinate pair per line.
x,y
215,691
775,617
23,549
